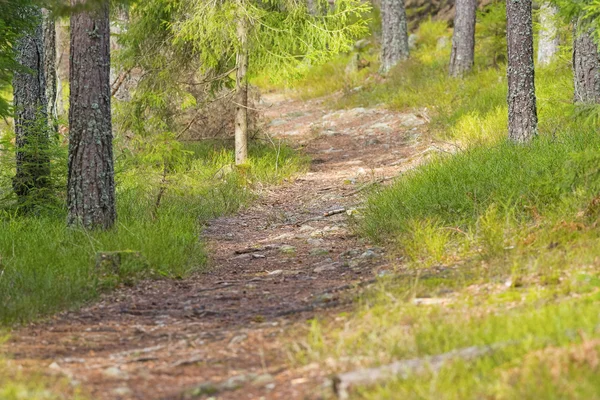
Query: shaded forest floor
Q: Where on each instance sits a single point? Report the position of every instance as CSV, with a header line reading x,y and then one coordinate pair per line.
x,y
289,258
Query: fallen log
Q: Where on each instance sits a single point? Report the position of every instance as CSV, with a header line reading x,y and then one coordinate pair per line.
x,y
404,369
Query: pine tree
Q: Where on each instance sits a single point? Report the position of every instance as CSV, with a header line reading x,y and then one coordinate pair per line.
x,y
394,27
522,109
91,186
586,64
463,39
548,36
30,114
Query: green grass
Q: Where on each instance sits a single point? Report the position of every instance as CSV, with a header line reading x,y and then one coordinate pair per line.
x,y
46,267
505,238
15,385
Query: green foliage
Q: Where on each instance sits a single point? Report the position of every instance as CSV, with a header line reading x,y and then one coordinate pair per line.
x,y
13,22
15,385
490,35
283,35
46,266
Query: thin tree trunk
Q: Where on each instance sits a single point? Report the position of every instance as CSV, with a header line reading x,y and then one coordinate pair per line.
x,y
49,28
119,79
91,186
522,110
586,66
62,62
548,37
31,121
394,43
241,111
463,39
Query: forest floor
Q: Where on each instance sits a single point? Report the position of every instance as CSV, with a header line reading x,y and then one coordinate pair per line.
x,y
290,257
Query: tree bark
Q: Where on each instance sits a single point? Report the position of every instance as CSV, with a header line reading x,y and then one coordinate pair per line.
x,y
49,29
241,111
91,186
522,109
394,43
586,66
120,80
463,39
548,37
31,120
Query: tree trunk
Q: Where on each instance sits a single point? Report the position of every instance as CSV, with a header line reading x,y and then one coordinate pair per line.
x,y
586,66
463,39
241,111
31,120
548,37
522,110
91,186
50,65
120,80
62,62
394,42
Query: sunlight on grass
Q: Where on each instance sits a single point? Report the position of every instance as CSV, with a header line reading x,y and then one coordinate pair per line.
x,y
47,267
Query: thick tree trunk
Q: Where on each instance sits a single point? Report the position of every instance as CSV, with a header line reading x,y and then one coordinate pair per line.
x,y
522,110
50,65
394,41
31,121
241,111
548,37
463,39
586,66
91,186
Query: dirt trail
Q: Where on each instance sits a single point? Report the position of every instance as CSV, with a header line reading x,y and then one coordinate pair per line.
x,y
274,265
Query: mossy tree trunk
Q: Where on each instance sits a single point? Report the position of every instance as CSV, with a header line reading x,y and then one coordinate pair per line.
x,y
463,39
522,109
394,41
586,65
548,37
30,115
241,110
91,187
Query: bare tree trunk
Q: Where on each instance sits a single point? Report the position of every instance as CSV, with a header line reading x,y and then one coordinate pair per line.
x,y
241,110
522,109
463,39
62,62
91,186
394,43
586,65
120,80
31,118
548,37
49,28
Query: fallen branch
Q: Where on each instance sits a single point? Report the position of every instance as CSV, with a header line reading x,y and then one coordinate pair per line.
x,y
368,185
404,369
119,82
335,212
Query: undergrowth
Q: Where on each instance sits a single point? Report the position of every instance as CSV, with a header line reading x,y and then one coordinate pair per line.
x,y
493,244
165,193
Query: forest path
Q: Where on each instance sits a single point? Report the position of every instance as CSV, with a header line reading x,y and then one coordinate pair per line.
x,y
273,266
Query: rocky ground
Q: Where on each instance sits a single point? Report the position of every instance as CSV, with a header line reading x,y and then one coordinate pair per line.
x,y
289,258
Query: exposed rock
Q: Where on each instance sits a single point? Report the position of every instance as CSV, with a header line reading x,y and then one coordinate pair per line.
x,y
115,372
263,380
315,242
319,251
287,249
326,267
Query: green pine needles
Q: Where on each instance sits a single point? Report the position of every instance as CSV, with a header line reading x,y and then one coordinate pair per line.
x,y
285,37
